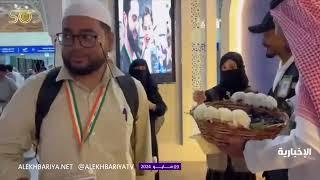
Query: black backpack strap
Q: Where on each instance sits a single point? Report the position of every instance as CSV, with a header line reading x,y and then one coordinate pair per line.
x,y
130,92
48,92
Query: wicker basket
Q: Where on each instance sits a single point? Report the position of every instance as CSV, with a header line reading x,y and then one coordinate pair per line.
x,y
209,129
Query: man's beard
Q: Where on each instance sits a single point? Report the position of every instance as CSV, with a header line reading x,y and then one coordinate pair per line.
x,y
133,42
81,71
270,55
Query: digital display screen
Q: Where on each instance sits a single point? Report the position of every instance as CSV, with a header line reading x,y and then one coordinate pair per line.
x,y
145,32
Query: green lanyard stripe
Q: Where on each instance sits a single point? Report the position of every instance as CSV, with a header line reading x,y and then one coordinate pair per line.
x,y
76,108
97,115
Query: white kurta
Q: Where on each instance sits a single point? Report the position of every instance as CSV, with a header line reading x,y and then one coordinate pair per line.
x,y
110,142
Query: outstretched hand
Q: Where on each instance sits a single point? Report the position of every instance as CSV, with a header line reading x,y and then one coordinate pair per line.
x,y
199,97
231,145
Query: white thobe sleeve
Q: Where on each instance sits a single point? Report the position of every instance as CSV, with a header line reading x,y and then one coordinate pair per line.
x,y
263,155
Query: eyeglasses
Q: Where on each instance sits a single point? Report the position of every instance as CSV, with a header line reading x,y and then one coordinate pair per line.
x,y
86,40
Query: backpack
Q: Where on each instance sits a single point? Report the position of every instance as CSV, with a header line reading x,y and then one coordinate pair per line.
x,y
50,89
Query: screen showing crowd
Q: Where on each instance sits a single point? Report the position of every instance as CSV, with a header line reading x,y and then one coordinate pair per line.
x,y
145,32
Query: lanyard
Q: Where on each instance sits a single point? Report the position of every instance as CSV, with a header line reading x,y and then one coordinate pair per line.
x,y
81,135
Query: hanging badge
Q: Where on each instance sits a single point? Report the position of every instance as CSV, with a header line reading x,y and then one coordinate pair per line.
x,y
284,86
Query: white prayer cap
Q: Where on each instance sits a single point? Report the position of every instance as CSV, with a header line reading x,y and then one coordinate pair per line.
x,y
90,8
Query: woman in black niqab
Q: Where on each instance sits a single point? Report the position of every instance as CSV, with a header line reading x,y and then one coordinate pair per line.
x,y
139,70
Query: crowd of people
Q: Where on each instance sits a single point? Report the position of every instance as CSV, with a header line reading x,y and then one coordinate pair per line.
x,y
11,80
9,83
89,111
289,32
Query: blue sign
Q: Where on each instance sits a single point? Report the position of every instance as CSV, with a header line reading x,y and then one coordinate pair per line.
x,y
26,49
7,50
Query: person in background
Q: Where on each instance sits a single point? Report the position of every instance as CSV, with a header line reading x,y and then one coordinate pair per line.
x,y
233,79
277,46
9,72
286,78
19,78
7,87
148,45
40,67
130,49
299,22
157,108
30,73
51,66
89,121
